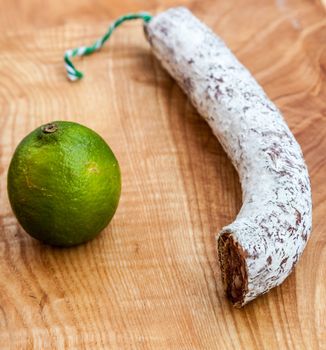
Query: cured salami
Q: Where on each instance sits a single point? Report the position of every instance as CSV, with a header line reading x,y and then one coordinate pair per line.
x,y
260,248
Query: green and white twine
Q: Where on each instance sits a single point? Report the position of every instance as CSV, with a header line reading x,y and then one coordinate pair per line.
x,y
72,72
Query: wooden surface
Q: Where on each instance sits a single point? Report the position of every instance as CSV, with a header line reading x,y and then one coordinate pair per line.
x,y
151,279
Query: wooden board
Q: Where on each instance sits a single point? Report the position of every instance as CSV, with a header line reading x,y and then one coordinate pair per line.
x,y
151,279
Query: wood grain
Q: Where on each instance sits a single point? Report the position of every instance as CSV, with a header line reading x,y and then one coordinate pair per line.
x,y
151,279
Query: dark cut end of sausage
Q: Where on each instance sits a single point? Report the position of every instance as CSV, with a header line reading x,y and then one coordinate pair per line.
x,y
233,267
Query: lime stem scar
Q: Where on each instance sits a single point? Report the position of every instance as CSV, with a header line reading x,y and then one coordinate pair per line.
x,y
49,128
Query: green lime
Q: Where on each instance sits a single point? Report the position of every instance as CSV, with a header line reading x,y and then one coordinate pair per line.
x,y
64,183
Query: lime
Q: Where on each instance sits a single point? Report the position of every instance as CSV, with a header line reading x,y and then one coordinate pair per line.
x,y
64,183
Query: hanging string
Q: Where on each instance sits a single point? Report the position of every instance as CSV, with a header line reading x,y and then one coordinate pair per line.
x,y
74,74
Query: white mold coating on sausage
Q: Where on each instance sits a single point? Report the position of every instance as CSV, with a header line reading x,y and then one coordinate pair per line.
x,y
274,222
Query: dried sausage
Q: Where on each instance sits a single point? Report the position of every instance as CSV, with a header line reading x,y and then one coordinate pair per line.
x,y
260,248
